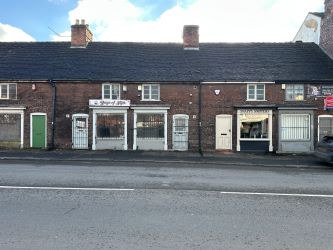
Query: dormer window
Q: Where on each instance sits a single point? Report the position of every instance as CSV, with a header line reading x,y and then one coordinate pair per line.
x,y
111,91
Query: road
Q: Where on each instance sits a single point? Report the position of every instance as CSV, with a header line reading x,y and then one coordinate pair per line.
x,y
163,206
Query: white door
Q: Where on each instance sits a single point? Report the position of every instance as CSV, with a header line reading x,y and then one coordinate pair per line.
x,y
180,132
223,132
80,131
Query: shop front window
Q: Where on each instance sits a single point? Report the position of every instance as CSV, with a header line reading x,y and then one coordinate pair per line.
x,y
110,125
295,127
254,126
150,126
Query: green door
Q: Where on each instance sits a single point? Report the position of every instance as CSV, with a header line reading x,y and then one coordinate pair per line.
x,y
38,131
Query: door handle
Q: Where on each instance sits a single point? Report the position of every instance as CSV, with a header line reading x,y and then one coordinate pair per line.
x,y
223,134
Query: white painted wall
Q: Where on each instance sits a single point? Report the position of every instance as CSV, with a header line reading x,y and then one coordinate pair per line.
x,y
310,30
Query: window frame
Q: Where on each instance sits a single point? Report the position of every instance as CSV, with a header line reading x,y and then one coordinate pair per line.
x,y
106,122
255,85
294,99
111,85
308,127
150,92
318,131
8,91
149,123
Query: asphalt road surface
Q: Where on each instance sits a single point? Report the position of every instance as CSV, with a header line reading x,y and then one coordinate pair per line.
x,y
164,206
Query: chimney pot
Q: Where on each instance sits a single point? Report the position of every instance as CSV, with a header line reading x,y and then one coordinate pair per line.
x,y
191,37
81,34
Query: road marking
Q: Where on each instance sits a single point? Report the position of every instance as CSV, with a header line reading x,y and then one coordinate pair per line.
x,y
67,188
280,194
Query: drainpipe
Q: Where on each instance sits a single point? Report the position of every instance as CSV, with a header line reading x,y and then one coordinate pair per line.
x,y
199,120
53,112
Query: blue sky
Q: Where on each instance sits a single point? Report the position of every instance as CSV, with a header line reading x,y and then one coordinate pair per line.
x,y
35,16
157,20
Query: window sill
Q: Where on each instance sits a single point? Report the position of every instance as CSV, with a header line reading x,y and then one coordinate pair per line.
x,y
294,100
307,140
150,100
254,139
256,100
110,138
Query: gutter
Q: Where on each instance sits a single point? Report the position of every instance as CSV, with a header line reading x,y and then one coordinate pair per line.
x,y
53,112
199,119
324,81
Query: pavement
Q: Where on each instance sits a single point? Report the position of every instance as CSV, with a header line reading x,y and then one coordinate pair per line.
x,y
217,158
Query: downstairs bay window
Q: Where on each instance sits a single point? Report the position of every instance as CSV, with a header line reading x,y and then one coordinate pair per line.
x,y
110,126
254,126
295,127
150,126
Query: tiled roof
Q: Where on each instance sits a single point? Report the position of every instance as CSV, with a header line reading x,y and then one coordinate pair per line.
x,y
164,62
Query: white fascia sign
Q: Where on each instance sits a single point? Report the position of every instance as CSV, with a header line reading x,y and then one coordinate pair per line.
x,y
109,103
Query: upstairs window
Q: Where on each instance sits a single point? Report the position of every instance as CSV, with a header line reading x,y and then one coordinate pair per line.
x,y
294,92
151,92
111,91
7,90
256,92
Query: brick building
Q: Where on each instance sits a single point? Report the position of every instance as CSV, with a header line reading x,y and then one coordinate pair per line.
x,y
162,96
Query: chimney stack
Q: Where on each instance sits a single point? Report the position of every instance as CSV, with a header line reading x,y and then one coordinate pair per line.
x,y
81,34
191,37
326,32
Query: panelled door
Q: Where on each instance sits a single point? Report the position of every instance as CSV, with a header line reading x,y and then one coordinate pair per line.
x,y
38,124
180,132
223,132
80,131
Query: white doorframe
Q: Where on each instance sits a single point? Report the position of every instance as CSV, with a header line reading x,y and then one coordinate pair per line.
x,y
86,116
186,117
230,119
322,116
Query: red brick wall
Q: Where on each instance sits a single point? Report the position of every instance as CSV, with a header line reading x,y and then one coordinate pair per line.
x,y
38,100
232,95
326,33
74,98
183,98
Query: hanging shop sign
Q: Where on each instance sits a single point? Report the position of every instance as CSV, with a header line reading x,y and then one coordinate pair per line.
x,y
328,103
109,103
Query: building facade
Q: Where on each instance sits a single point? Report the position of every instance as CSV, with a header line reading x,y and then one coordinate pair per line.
x,y
268,97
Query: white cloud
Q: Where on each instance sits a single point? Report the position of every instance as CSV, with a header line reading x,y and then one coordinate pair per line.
x,y
219,20
9,33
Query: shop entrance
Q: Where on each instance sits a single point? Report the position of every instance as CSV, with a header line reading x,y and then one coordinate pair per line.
x,y
223,132
80,131
180,132
38,130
